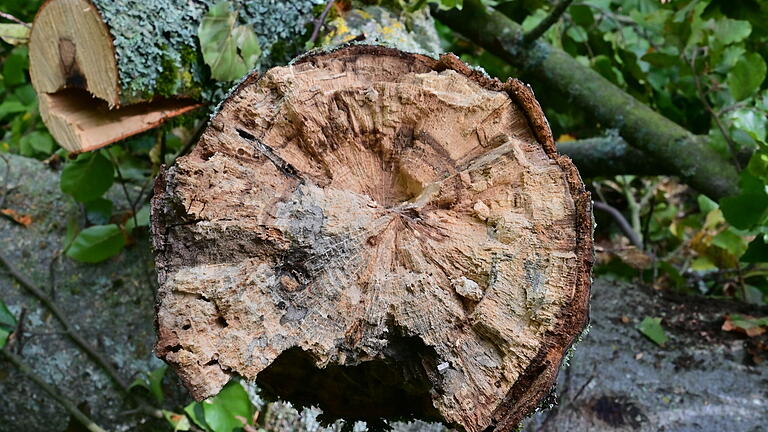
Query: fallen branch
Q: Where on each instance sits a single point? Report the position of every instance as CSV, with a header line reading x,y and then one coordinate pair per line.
x,y
547,22
609,156
622,222
70,331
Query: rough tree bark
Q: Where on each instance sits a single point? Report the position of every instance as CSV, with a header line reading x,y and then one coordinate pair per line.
x,y
129,65
379,233
671,146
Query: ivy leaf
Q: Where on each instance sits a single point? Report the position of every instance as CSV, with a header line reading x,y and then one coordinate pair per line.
x,y
746,76
651,328
221,411
97,243
229,51
87,177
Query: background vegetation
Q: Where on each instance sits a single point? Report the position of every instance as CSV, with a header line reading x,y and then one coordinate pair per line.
x,y
699,63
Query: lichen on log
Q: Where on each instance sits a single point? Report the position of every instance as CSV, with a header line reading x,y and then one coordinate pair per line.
x,y
378,233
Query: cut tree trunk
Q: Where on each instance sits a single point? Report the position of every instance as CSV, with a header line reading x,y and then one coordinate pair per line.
x,y
380,234
112,55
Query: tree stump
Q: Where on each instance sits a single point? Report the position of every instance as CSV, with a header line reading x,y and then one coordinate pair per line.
x,y
378,233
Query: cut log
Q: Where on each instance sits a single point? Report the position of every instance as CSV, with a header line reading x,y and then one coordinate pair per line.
x,y
134,51
380,234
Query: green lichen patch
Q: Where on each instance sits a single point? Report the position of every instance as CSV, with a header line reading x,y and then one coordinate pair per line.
x,y
157,47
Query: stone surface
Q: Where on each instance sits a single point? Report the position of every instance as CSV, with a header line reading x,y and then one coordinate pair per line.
x,y
618,380
110,303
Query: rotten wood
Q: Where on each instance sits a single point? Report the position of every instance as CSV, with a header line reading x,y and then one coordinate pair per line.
x,y
380,234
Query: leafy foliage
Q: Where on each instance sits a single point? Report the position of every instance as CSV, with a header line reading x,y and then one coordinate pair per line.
x,y
229,49
701,64
228,411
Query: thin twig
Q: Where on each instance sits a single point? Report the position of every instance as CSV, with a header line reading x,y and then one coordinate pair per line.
x,y
14,19
625,227
124,187
547,22
320,21
703,98
70,331
52,392
19,332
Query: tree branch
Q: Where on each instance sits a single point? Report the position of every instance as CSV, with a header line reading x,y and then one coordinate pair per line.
x,y
609,156
672,147
547,22
52,392
70,331
622,222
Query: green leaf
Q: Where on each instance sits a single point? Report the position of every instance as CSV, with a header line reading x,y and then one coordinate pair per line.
x,y
87,177
706,205
757,251
221,411
750,122
156,382
651,328
180,422
14,66
97,243
745,210
37,142
229,51
746,76
142,219
4,337
578,34
98,211
195,412
582,15
728,31
14,34
11,107
730,241
6,317
250,50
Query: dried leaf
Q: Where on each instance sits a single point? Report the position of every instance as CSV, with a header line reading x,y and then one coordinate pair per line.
x,y
21,219
745,324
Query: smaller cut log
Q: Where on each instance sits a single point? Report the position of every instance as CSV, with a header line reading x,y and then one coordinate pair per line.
x,y
378,233
105,69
